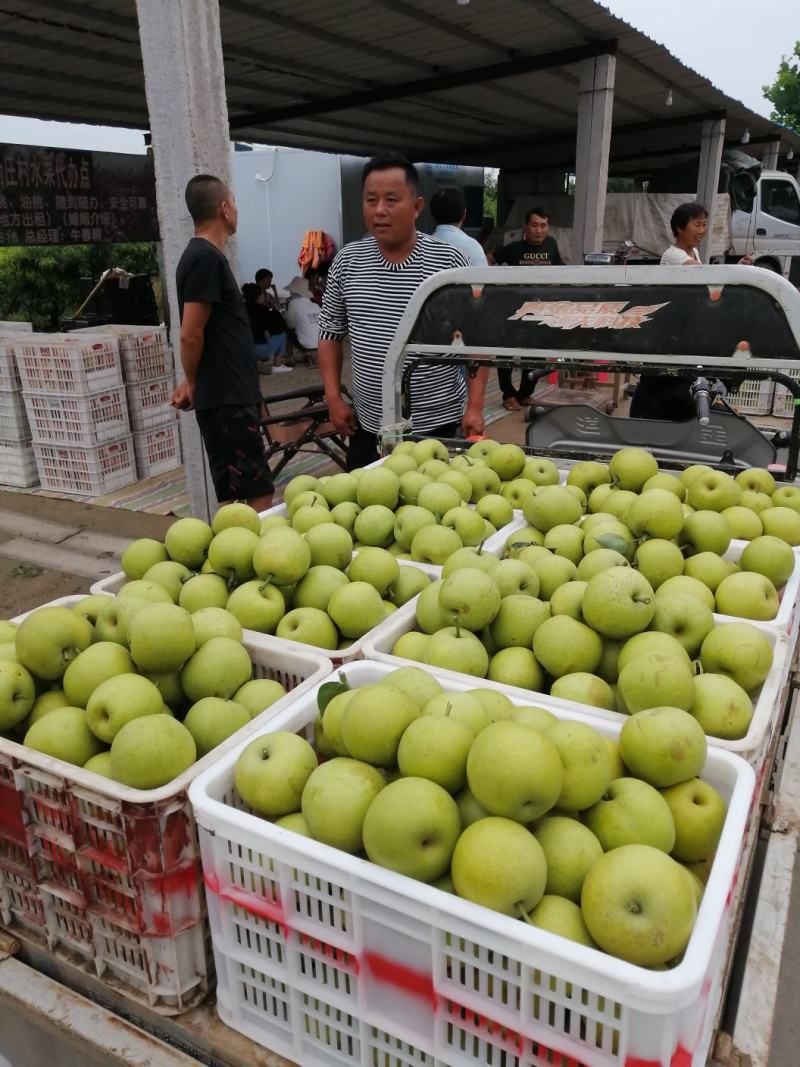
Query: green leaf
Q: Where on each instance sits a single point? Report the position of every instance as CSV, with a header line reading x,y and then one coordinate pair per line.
x,y
328,690
613,541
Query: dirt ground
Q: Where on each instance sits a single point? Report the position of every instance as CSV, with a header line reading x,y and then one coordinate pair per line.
x,y
44,564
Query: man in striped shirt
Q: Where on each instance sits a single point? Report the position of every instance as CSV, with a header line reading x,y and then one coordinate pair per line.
x,y
369,285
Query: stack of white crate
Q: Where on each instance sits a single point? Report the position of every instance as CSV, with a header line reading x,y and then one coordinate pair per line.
x,y
148,372
17,461
78,412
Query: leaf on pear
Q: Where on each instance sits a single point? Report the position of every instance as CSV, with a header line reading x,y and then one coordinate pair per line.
x,y
614,542
328,690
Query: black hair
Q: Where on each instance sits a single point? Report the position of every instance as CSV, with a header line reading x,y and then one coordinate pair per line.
x,y
250,292
204,193
540,211
684,213
262,272
388,161
448,207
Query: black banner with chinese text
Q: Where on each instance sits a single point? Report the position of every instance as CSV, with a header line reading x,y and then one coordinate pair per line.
x,y
55,196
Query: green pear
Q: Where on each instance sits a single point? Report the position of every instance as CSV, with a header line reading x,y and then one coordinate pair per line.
x,y
656,513
583,688
618,602
721,707
708,568
631,467
749,595
658,560
564,646
744,523
739,651
687,586
771,557
653,679
600,559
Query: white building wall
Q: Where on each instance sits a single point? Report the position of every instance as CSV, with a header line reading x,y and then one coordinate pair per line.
x,y
281,193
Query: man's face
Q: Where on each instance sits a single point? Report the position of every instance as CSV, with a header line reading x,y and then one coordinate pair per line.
x,y
229,212
694,231
390,207
536,229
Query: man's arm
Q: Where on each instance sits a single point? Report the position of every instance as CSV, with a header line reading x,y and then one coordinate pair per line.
x,y
329,358
473,423
193,324
557,260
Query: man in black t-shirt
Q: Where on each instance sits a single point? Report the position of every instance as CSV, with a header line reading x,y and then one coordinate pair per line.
x,y
536,249
218,353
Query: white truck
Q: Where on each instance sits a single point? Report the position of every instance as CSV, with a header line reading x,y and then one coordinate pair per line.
x,y
758,216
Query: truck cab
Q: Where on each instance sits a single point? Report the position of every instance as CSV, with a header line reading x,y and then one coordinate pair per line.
x,y
765,220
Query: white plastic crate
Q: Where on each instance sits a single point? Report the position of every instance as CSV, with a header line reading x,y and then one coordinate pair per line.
x,y
786,619
9,371
68,363
753,397
113,873
13,418
144,349
84,471
751,747
18,464
328,959
87,420
148,403
783,403
158,449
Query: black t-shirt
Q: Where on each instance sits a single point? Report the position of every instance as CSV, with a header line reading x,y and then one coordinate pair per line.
x,y
228,372
524,254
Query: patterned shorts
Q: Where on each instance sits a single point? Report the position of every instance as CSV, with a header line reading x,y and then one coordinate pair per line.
x,y
236,455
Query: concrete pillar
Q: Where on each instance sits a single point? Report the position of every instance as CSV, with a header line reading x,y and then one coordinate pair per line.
x,y
711,145
595,107
771,153
185,86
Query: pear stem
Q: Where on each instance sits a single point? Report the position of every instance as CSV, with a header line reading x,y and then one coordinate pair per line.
x,y
523,914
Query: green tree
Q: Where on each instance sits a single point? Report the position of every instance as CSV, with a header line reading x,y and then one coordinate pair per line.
x,y
44,285
784,93
490,193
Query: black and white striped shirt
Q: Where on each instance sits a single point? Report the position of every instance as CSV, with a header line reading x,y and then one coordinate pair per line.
x,y
366,296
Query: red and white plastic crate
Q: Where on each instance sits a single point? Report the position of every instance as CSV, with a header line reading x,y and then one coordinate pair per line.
x,y
70,363
17,461
329,960
113,873
158,449
87,420
144,350
85,471
148,403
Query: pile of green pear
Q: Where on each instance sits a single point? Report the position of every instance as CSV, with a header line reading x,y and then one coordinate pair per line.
x,y
139,710
595,631
309,582
608,843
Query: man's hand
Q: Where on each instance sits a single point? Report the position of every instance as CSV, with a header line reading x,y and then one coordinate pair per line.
x,y
746,261
183,397
473,423
342,416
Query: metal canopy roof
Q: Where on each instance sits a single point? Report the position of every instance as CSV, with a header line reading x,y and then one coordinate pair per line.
x,y
492,82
